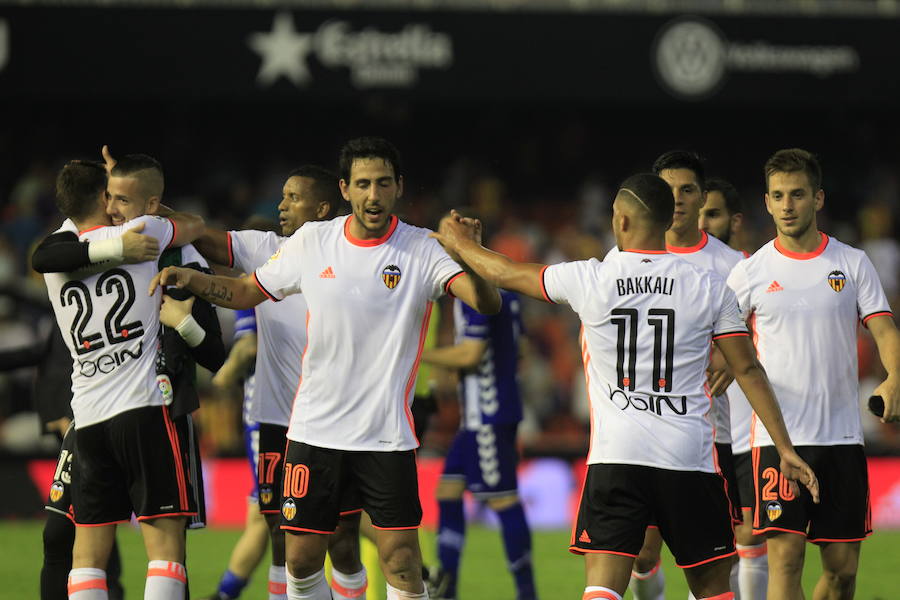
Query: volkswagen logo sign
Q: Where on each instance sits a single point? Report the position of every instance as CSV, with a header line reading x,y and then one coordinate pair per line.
x,y
689,56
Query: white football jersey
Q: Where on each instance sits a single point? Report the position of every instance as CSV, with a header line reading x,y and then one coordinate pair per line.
x,y
805,310
280,330
111,327
368,307
648,319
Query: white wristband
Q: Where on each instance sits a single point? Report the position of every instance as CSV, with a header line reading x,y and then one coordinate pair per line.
x,y
102,250
190,331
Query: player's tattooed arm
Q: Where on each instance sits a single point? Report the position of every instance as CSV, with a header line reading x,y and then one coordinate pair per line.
x,y
230,292
887,338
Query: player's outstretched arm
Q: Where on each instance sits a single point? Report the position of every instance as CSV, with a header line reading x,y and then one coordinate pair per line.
x,y
458,236
230,292
63,253
213,245
887,338
750,375
464,355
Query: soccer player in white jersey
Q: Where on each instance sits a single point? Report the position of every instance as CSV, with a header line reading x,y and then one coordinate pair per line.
x,y
128,451
647,317
806,294
684,173
310,193
369,281
722,215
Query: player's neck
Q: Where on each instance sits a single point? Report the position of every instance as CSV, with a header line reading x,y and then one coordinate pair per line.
x,y
809,241
683,239
655,243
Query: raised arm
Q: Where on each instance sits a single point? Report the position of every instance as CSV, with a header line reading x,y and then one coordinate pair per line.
x,y
459,237
213,245
230,292
887,338
750,375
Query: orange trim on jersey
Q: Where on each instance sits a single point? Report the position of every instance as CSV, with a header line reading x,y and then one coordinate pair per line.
x,y
397,528
803,255
648,574
230,250
277,588
174,233
159,516
577,550
90,584
586,359
349,592
450,282
263,289
411,381
91,229
601,595
745,253
173,570
708,560
304,530
727,335
884,313
642,251
753,551
299,381
176,454
704,239
544,287
370,243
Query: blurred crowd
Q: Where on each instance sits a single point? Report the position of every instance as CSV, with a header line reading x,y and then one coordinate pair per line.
x,y
570,223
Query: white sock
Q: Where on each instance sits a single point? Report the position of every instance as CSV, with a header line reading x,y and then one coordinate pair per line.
x,y
753,572
596,592
314,587
349,587
87,584
165,580
648,586
277,583
734,579
395,594
691,595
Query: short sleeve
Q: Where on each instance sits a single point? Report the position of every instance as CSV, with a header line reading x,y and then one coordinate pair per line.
x,y
870,297
567,283
474,324
728,320
440,270
250,249
161,228
281,275
740,285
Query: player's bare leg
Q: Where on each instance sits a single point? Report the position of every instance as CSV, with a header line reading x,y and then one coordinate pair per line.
x,y
840,561
87,579
401,560
786,555
648,581
277,575
305,562
165,545
348,575
606,573
753,562
710,580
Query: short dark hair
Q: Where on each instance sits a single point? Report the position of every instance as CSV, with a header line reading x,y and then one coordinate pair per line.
x,y
681,159
77,186
131,164
325,186
368,147
732,198
655,194
791,160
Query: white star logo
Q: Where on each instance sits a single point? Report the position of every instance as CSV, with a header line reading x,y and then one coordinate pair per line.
x,y
283,52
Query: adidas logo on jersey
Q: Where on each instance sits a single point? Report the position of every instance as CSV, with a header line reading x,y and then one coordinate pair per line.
x,y
327,274
584,538
774,287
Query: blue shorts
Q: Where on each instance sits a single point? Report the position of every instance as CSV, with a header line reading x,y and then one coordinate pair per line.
x,y
251,445
485,459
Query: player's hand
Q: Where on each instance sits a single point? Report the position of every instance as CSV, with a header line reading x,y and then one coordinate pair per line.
x,y
796,471
718,375
176,276
889,390
173,312
137,247
455,231
60,425
107,159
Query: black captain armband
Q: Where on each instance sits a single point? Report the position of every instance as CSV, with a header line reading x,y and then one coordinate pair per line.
x,y
60,253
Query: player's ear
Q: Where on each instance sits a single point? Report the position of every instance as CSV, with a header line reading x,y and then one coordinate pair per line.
x,y
400,186
768,205
820,200
322,210
344,189
152,205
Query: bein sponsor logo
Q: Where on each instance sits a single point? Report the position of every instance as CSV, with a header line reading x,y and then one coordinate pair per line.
x,y
107,363
658,404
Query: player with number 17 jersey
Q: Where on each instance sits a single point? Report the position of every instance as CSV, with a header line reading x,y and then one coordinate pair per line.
x,y
110,326
649,399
